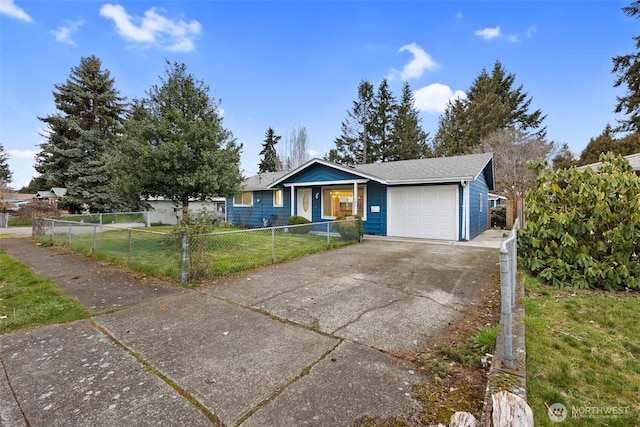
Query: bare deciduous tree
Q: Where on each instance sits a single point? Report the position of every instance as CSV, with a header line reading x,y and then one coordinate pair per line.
x,y
512,150
295,151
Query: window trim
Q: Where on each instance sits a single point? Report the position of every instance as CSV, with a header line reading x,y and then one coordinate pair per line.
x,y
276,191
242,198
362,187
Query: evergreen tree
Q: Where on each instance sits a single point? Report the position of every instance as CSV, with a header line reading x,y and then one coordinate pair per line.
x,y
627,67
5,173
603,143
186,152
382,126
88,125
269,162
408,139
607,143
564,158
492,104
354,146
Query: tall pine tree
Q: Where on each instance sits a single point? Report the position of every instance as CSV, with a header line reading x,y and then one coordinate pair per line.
x,y
82,136
382,127
269,162
627,67
354,146
5,173
408,139
492,103
186,153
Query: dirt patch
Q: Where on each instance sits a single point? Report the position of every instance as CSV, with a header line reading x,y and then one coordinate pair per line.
x,y
456,377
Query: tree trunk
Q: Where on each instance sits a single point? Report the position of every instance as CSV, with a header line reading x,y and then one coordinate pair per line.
x,y
185,205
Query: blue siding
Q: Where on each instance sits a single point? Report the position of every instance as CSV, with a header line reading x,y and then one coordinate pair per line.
x,y
320,173
376,223
261,212
478,215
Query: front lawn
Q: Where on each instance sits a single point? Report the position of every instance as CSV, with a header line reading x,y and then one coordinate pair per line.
x,y
583,351
28,300
208,256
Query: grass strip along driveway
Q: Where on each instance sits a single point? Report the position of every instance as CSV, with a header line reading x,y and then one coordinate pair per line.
x,y
209,256
583,352
28,300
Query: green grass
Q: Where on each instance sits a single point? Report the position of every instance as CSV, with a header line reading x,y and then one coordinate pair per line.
x,y
583,351
209,256
28,300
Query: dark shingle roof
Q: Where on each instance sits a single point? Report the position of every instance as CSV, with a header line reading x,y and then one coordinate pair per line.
x,y
435,169
262,180
422,171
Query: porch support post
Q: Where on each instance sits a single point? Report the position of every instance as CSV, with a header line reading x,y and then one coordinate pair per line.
x,y
354,205
293,193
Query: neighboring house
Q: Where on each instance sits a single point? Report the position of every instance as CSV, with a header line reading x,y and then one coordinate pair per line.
x,y
52,195
164,211
634,161
440,198
495,200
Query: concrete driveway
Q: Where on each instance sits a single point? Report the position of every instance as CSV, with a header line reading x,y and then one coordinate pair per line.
x,y
314,341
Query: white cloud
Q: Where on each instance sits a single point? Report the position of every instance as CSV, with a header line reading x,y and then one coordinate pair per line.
x,y
421,61
488,33
435,97
63,34
153,29
8,7
492,33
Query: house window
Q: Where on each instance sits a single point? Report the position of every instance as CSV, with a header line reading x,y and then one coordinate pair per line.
x,y
481,201
338,201
278,198
243,199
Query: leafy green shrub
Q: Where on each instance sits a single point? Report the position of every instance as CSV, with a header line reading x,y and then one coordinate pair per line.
x,y
499,216
195,226
349,230
297,220
583,227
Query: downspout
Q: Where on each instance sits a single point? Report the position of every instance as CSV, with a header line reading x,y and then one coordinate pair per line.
x,y
465,211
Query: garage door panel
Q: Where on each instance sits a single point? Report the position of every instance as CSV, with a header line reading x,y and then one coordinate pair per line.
x,y
424,212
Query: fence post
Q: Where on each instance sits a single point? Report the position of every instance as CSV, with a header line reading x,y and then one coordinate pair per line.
x,y
505,318
183,260
100,216
328,237
129,249
69,235
273,245
53,224
95,237
148,219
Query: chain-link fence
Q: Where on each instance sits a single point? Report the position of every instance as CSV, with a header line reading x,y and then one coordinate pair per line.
x,y
111,218
192,258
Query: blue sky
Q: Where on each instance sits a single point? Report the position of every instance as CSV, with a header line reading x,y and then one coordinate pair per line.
x,y
288,63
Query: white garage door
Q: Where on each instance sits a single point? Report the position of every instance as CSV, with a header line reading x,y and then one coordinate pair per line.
x,y
428,212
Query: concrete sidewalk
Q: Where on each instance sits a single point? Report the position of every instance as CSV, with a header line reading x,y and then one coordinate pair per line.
x,y
312,341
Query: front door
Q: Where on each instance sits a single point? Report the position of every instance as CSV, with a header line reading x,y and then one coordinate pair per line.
x,y
304,203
